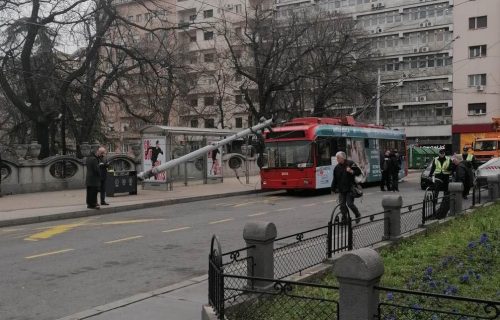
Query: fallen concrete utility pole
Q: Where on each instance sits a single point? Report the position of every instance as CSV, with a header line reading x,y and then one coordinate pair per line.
x,y
202,151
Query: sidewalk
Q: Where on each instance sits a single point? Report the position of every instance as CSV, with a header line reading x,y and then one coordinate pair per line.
x,y
48,206
181,301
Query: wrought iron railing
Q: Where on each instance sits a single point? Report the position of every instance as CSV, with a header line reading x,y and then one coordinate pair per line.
x,y
411,217
480,185
369,230
280,299
300,251
406,304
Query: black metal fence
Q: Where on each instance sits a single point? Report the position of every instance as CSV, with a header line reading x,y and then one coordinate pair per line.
x,y
406,304
280,299
478,189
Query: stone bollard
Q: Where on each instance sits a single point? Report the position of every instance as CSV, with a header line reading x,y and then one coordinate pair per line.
x,y
455,189
392,217
260,235
358,272
492,187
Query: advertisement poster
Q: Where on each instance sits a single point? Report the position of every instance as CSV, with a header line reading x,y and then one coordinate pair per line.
x,y
214,162
153,156
356,152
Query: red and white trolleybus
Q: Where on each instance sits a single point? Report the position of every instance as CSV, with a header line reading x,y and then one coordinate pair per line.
x,y
300,154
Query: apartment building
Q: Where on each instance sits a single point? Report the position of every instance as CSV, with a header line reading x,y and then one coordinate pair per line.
x,y
210,96
412,41
476,66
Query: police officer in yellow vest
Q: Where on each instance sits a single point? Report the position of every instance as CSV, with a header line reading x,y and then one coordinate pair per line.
x,y
442,168
469,159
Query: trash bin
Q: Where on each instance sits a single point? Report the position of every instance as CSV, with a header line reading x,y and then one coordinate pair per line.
x,y
121,182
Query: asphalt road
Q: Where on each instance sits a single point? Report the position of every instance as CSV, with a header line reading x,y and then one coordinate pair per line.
x,y
51,270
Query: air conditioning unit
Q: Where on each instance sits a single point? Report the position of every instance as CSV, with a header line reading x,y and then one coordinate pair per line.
x,y
415,50
422,98
480,88
424,49
416,99
374,5
400,107
229,7
429,24
380,5
401,59
423,24
379,30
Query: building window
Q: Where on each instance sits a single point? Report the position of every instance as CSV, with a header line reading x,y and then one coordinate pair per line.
x,y
208,57
477,80
193,102
138,18
208,13
477,109
238,122
208,35
238,99
208,101
238,8
194,123
477,51
238,31
478,22
209,123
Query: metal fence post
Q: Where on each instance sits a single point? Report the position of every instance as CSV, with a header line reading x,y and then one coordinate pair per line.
x,y
456,189
260,235
358,272
392,217
492,187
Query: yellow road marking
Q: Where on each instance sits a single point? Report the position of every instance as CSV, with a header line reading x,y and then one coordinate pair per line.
x,y
53,231
124,239
309,205
127,221
176,229
220,221
48,254
284,209
258,214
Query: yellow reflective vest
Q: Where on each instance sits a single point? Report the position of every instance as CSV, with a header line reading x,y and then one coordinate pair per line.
x,y
445,169
469,158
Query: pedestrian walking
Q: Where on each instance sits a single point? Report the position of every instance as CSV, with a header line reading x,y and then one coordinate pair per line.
x,y
394,168
93,179
385,181
103,170
343,181
462,173
441,170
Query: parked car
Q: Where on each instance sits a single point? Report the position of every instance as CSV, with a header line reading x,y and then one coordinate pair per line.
x,y
490,168
425,180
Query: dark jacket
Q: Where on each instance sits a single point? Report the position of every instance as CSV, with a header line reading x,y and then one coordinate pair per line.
x,y
394,163
93,178
463,174
470,164
103,168
343,180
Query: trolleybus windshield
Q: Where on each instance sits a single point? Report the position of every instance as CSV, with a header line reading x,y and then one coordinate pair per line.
x,y
289,154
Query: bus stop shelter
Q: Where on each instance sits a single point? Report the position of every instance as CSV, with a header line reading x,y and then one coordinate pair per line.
x,y
160,144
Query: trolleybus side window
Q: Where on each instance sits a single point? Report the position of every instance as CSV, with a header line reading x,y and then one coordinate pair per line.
x,y
323,152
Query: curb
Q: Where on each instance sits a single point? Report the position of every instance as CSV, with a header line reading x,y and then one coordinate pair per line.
x,y
108,210
134,299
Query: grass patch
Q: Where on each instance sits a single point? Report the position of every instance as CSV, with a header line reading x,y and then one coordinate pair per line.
x,y
459,258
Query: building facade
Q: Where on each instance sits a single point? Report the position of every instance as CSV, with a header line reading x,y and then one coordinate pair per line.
x,y
476,66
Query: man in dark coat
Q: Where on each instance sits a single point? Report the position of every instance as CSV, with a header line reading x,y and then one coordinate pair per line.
x,y
394,167
469,159
384,168
93,179
103,168
462,173
343,180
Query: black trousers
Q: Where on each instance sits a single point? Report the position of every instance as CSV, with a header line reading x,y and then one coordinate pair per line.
x,y
102,191
92,196
347,200
394,181
386,180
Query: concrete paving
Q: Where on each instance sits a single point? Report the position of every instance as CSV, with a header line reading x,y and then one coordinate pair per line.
x,y
181,301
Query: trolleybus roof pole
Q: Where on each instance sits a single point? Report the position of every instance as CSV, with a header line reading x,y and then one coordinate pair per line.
x,y
197,153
